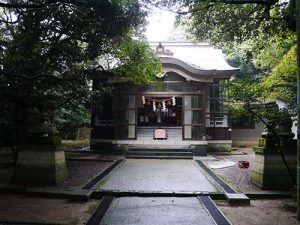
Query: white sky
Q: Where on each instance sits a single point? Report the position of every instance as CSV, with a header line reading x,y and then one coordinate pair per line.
x,y
160,25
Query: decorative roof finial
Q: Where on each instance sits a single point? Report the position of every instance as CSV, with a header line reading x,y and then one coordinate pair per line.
x,y
160,49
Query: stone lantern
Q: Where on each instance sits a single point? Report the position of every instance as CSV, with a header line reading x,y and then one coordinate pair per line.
x,y
41,157
269,171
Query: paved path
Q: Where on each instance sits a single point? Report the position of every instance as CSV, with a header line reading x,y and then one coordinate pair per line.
x,y
158,211
154,175
157,175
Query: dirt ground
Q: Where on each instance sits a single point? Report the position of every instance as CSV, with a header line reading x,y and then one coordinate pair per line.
x,y
260,212
16,208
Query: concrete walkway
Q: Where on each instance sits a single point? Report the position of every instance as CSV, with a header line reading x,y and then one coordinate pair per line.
x,y
158,211
154,175
157,175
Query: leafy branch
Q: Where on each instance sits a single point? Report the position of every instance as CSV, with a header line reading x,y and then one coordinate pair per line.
x,y
250,96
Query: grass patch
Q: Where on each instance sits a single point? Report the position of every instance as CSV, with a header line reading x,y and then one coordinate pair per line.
x,y
215,185
221,202
101,183
92,208
75,144
227,181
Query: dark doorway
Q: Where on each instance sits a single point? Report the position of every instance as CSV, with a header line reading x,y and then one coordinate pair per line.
x,y
167,112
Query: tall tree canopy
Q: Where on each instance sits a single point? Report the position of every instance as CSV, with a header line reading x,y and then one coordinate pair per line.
x,y
234,21
265,24
258,35
62,39
54,48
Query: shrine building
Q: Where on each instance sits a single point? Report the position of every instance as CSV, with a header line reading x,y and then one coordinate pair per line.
x,y
188,110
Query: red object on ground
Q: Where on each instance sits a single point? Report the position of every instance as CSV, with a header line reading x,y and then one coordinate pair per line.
x,y
243,164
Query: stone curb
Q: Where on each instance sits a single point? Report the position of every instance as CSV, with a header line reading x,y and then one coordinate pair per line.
x,y
86,194
88,159
135,193
47,193
270,195
237,198
73,195
161,157
96,179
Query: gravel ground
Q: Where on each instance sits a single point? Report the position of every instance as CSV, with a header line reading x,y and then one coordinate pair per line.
x,y
259,212
231,174
17,208
14,207
81,172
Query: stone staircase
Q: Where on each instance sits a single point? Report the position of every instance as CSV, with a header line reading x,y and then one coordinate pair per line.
x,y
145,146
152,152
146,134
162,149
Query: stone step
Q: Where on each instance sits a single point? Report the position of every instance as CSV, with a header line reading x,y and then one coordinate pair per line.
x,y
237,198
170,131
151,131
158,153
139,149
160,145
151,135
157,157
156,127
151,138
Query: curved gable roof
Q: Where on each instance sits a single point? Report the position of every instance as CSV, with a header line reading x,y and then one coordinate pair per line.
x,y
200,62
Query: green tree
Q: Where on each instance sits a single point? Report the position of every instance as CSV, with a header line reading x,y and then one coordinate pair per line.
x,y
71,119
274,66
53,49
234,21
281,82
231,22
248,98
241,57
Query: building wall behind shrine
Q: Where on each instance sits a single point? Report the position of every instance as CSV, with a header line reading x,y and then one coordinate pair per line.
x,y
243,137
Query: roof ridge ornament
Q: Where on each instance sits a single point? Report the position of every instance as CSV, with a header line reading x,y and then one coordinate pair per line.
x,y
160,49
160,75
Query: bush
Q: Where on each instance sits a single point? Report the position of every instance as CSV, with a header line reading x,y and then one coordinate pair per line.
x,y
75,144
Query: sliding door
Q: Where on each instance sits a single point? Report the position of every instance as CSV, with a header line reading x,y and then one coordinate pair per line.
x,y
126,117
193,122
